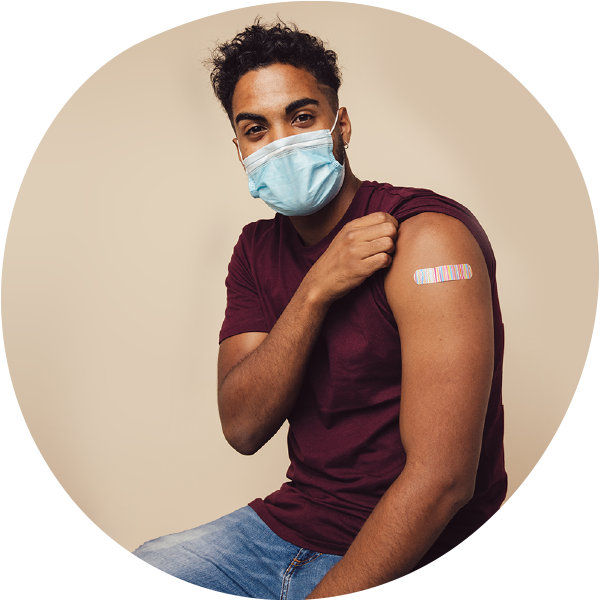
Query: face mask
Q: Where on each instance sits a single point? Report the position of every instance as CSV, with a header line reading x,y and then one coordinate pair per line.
x,y
296,175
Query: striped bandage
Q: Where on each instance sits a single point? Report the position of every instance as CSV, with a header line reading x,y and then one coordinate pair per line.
x,y
445,273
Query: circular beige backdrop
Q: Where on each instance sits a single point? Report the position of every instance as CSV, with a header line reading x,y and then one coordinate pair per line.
x,y
113,277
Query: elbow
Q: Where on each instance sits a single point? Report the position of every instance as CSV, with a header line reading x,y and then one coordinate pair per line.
x,y
243,430
444,487
236,430
464,494
241,441
459,490
244,448
448,490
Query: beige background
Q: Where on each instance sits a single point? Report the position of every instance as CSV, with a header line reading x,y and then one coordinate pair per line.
x,y
113,276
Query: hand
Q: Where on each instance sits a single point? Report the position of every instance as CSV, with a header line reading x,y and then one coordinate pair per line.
x,y
362,247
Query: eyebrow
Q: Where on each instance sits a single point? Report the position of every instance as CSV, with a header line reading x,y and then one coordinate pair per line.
x,y
295,105
246,116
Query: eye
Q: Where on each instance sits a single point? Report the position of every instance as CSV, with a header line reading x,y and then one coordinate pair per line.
x,y
303,118
254,130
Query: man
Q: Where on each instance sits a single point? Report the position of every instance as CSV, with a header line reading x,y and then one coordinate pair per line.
x,y
339,320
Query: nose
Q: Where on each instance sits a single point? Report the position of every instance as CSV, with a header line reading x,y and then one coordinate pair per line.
x,y
281,130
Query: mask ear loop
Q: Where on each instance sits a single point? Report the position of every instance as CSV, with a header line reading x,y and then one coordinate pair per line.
x,y
238,149
335,122
331,131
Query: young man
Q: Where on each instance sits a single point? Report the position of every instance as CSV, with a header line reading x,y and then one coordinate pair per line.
x,y
367,316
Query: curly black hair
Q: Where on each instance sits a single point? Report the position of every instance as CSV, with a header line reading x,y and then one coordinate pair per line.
x,y
263,45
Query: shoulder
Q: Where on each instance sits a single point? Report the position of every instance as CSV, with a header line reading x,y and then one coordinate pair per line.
x,y
390,198
261,228
435,234
428,241
254,236
407,202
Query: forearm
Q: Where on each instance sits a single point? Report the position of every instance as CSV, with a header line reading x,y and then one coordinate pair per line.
x,y
402,527
258,393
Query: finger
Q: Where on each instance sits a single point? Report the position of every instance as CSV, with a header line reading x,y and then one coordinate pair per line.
x,y
382,230
376,262
372,232
383,244
375,218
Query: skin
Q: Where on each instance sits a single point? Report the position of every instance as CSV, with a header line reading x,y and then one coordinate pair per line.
x,y
446,333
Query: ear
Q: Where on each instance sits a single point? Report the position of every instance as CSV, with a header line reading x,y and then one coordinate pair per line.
x,y
237,145
345,125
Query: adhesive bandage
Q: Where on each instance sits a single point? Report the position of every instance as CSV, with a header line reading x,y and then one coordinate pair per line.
x,y
445,273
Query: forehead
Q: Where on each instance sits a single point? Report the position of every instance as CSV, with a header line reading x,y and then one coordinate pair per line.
x,y
274,87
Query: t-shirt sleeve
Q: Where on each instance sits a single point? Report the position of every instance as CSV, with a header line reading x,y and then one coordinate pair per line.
x,y
244,311
427,201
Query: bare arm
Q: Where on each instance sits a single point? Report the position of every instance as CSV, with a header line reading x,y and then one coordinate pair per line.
x,y
446,333
260,375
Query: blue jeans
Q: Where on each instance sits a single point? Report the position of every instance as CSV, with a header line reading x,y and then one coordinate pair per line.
x,y
238,554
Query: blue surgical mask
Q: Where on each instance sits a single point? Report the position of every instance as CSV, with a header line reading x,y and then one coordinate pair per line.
x,y
296,175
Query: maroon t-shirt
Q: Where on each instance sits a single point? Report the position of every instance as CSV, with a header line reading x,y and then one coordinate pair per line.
x,y
344,441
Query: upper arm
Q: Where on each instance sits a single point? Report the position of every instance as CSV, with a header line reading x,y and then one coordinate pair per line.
x,y
446,336
243,310
234,349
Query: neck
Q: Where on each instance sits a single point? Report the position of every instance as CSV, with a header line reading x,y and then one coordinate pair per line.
x,y
313,228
